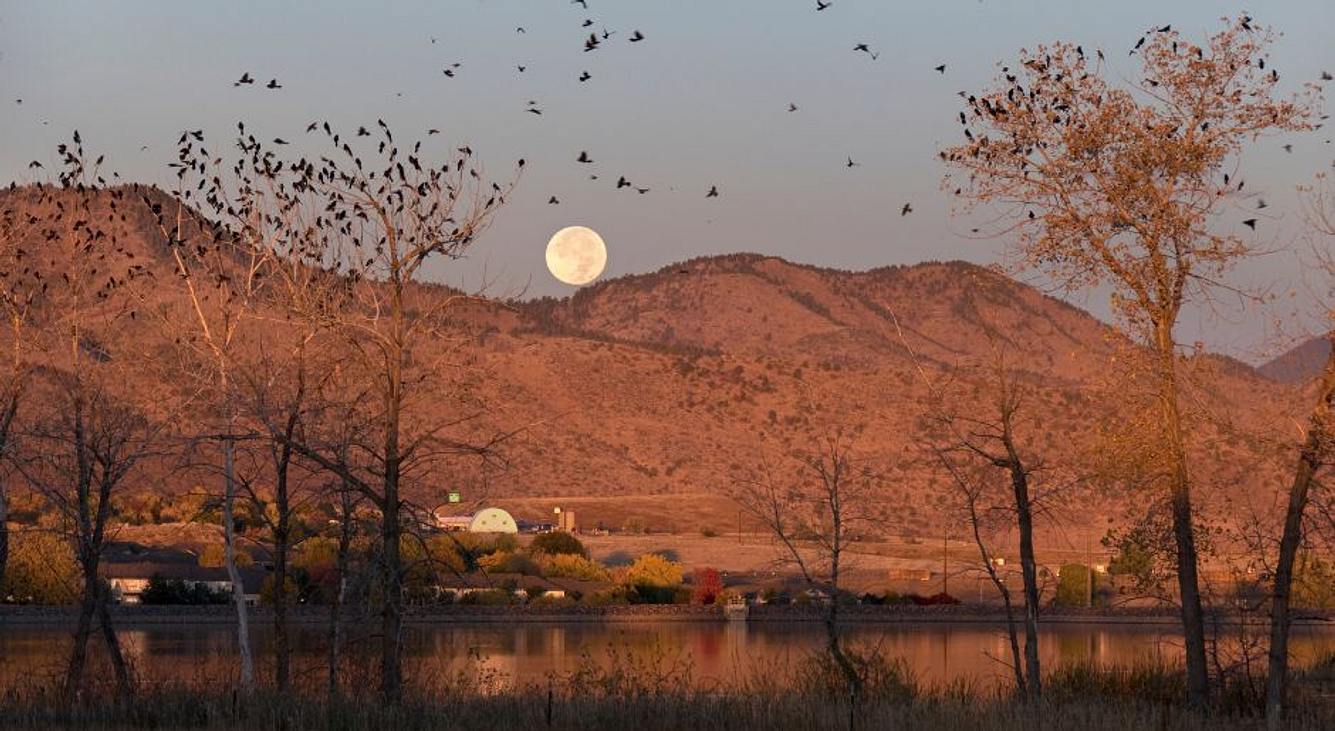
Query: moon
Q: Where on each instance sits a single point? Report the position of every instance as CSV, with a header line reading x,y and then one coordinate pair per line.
x,y
576,255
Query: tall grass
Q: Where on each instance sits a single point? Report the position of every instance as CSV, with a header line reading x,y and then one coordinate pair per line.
x,y
647,693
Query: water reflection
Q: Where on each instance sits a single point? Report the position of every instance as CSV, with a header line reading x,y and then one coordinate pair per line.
x,y
524,653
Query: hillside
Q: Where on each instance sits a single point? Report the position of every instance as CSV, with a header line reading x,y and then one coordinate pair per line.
x,y
668,383
1299,364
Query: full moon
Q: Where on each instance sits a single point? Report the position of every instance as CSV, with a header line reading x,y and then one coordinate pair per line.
x,y
576,255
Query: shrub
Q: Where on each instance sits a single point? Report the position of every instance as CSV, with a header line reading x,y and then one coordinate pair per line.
x,y
214,556
178,591
569,566
607,597
268,592
882,677
41,570
644,594
505,562
706,586
1073,587
654,570
558,543
935,600
1313,582
488,598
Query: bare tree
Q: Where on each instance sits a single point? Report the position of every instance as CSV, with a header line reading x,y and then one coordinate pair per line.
x,y
1314,454
973,442
373,219
220,278
88,438
1111,185
813,502
20,287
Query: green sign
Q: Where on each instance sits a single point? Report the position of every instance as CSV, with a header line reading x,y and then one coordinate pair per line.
x,y
454,497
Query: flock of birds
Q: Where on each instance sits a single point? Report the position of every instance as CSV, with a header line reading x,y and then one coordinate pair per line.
x,y
596,39
593,42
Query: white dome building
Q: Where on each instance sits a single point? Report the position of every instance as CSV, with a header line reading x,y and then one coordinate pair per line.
x,y
492,520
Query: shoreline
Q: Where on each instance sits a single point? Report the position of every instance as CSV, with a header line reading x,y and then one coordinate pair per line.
x,y
138,616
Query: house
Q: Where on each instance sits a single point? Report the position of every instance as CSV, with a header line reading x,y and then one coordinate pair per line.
x,y
129,567
522,585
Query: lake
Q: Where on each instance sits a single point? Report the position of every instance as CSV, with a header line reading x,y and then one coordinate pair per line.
x,y
528,652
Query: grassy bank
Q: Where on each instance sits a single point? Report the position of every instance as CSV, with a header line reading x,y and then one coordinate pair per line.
x,y
623,694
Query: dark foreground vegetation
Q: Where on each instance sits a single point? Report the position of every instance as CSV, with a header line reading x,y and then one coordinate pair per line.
x,y
621,693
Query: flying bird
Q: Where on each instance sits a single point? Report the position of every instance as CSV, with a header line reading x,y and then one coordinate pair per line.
x,y
823,5
940,69
520,29
585,76
1288,148
792,107
1325,76
713,192
636,37
553,201
273,84
851,164
622,183
641,191
591,43
246,78
906,210
584,157
279,141
1262,204
433,131
1250,223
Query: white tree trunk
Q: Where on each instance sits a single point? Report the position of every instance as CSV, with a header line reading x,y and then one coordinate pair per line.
x,y
238,589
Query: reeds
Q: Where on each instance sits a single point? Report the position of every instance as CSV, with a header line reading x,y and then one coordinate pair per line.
x,y
624,691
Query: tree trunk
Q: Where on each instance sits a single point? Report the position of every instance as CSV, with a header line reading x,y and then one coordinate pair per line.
x,y
282,648
118,662
1017,661
1029,569
6,422
4,534
336,618
837,651
78,661
233,575
1310,460
1193,617
391,579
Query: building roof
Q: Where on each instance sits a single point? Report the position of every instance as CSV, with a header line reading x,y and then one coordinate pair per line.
x,y
252,578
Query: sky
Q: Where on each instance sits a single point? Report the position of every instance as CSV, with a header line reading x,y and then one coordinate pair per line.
x,y
702,101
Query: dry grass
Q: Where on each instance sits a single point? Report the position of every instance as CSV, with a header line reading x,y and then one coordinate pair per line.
x,y
621,691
